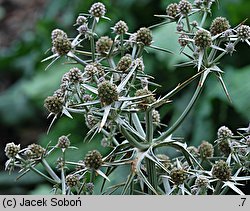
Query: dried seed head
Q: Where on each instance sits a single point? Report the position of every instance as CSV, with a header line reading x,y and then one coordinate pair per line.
x,y
107,93
219,25
97,10
53,104
103,45
37,151
178,176
185,7
203,39
81,20
201,182
224,132
72,180
61,45
182,40
83,29
63,142
80,166
206,150
243,32
100,69
90,69
91,121
144,35
156,117
221,170
144,102
120,27
75,75
224,146
93,159
172,10
58,33
124,63
11,150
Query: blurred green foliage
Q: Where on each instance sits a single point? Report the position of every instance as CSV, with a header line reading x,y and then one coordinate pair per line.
x,y
25,84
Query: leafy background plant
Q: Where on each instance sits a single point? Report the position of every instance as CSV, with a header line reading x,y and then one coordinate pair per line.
x,y
25,84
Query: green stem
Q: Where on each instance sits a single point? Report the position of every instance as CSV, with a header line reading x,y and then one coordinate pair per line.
x,y
203,19
50,171
218,187
63,174
92,40
132,140
140,51
188,24
63,182
224,191
151,171
122,48
149,126
185,112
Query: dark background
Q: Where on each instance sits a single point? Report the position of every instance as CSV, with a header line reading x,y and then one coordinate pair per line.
x,y
25,28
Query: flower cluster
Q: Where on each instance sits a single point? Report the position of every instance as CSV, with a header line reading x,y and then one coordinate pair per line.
x,y
107,83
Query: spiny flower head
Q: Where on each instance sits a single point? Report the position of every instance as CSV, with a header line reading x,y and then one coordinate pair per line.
x,y
36,151
203,38
185,7
178,176
221,170
63,142
224,132
93,159
59,93
156,117
206,150
144,102
72,180
182,40
53,104
103,45
201,181
62,45
81,20
219,25
75,75
97,10
172,10
83,29
144,35
91,121
58,33
90,69
107,93
124,63
224,146
120,27
243,32
11,150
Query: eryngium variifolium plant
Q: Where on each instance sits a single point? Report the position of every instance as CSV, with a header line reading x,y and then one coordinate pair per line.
x,y
110,88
